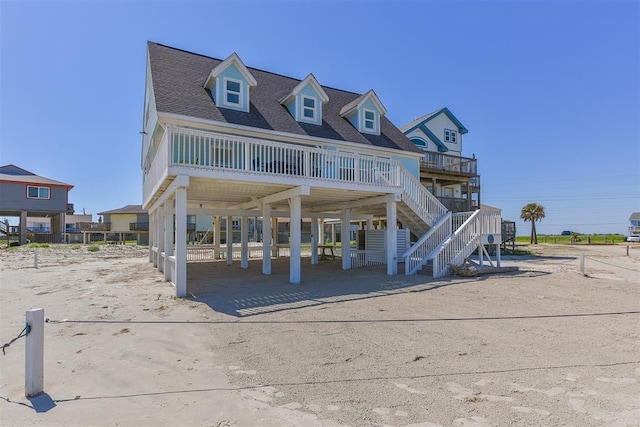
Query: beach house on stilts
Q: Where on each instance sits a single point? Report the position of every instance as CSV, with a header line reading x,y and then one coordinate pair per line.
x,y
234,142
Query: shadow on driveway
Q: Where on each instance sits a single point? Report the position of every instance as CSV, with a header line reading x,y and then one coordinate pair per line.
x,y
242,292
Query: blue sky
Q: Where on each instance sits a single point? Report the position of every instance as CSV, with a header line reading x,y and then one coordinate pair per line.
x,y
549,90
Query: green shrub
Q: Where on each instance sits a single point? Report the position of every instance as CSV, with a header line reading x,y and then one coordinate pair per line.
x,y
93,248
38,245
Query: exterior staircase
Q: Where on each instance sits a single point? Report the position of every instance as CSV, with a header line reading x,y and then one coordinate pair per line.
x,y
444,238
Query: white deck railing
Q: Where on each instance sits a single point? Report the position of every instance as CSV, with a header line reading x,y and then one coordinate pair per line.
x,y
158,168
419,199
418,254
465,240
193,149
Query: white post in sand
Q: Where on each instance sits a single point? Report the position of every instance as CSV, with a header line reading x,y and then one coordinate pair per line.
x,y
34,353
35,259
582,264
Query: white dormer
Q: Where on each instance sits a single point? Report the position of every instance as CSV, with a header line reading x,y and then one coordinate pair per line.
x,y
305,101
364,113
230,83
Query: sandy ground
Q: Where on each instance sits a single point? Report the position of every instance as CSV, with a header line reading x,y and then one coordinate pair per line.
x,y
541,347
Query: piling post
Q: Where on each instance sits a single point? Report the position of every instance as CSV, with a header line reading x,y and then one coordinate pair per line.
x,y
34,353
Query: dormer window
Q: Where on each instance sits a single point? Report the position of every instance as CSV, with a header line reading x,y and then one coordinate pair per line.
x,y
230,83
370,120
309,108
364,113
304,102
233,92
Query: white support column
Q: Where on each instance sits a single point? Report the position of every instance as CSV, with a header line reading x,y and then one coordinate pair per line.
x,y
152,228
159,236
392,239
345,237
370,224
34,353
217,235
314,241
296,236
274,241
181,242
244,239
266,239
168,237
321,237
229,240
480,255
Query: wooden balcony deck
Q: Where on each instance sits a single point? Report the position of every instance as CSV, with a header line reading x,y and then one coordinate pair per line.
x,y
202,154
445,163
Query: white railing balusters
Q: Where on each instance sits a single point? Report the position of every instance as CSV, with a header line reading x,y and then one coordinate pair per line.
x,y
199,149
420,253
419,199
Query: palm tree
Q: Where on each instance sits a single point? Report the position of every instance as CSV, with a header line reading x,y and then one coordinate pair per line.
x,y
532,212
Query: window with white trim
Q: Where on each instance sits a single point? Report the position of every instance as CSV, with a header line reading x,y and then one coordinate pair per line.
x,y
34,192
450,136
309,108
233,92
370,120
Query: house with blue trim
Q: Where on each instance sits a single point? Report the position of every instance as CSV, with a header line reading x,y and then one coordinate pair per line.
x,y
449,176
233,142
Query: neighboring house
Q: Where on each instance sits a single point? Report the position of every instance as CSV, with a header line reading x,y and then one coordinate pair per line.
x,y
126,223
24,194
634,227
453,179
225,140
72,224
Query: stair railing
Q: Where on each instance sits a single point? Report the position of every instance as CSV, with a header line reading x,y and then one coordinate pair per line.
x,y
419,199
461,244
421,251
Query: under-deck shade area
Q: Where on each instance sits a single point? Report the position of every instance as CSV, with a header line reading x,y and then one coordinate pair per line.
x,y
268,202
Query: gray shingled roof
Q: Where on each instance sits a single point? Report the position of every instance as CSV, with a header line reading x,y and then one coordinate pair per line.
x,y
178,78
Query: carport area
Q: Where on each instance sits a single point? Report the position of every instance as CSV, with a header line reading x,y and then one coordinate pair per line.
x,y
245,292
270,203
